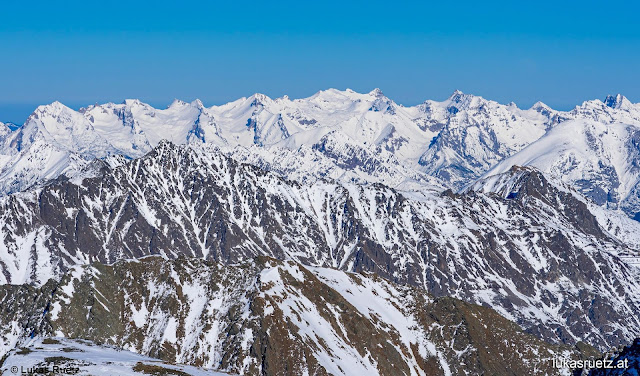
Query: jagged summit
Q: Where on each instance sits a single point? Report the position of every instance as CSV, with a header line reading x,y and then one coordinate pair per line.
x,y
197,103
5,129
11,126
53,108
462,101
618,101
376,92
133,102
260,97
539,105
457,94
178,103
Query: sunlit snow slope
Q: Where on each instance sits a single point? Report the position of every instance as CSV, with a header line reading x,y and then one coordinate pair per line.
x,y
601,161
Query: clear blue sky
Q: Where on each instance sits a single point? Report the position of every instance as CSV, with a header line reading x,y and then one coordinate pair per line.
x,y
81,52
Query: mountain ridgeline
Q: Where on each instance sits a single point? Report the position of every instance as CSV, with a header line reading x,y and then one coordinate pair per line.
x,y
347,136
517,255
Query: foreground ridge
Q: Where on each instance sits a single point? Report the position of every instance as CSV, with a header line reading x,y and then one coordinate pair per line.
x,y
265,316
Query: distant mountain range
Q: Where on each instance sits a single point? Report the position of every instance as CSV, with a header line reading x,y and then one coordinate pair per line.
x,y
342,135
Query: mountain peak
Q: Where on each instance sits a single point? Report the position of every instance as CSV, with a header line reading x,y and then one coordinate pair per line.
x,y
465,101
131,102
177,103
54,104
259,99
332,94
618,101
540,105
9,125
4,129
53,108
460,97
376,93
542,108
456,96
197,103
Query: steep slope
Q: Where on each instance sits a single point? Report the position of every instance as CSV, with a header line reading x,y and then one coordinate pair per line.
x,y
600,160
272,317
518,256
615,222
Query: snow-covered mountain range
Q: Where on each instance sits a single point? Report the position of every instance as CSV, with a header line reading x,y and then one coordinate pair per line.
x,y
342,135
528,212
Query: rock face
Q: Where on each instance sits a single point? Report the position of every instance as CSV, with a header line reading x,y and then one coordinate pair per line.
x,y
538,256
475,134
272,317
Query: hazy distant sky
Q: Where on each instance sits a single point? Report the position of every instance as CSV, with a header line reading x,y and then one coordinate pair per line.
x,y
81,52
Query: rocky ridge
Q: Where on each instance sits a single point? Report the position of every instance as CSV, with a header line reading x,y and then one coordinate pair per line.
x,y
517,254
266,316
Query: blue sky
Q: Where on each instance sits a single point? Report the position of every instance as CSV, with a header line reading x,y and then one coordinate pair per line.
x,y
80,53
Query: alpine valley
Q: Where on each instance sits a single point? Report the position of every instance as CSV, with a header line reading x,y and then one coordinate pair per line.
x,y
339,234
